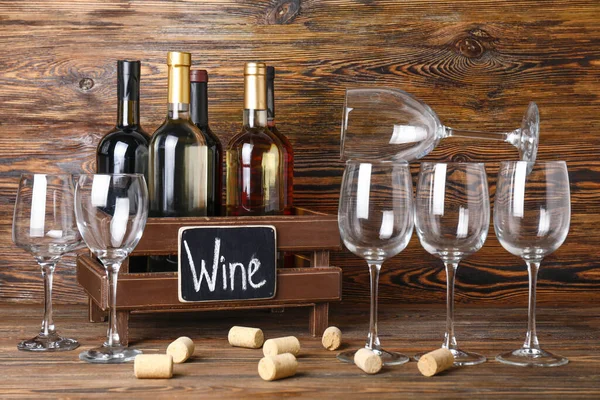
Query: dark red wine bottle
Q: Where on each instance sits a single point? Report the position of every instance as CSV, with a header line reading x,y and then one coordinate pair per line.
x,y
288,151
124,149
199,116
283,259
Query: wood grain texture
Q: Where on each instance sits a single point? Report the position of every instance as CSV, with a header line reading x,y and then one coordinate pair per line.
x,y
220,371
477,64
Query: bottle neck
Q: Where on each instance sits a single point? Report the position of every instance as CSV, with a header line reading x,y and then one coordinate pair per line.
x,y
271,101
178,111
255,118
199,103
128,113
178,98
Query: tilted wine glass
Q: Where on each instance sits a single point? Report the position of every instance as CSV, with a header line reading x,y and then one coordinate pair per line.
x,y
532,214
44,225
452,217
111,215
375,219
386,123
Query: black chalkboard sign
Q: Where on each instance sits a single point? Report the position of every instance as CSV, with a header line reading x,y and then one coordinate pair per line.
x,y
227,263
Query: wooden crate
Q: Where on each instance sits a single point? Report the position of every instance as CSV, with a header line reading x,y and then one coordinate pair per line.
x,y
314,285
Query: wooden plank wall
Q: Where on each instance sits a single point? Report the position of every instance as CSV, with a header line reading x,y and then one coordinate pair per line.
x,y
477,63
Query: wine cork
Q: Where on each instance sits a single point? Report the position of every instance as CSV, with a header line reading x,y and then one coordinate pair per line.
x,y
332,338
181,349
153,366
435,362
368,361
241,336
271,368
287,344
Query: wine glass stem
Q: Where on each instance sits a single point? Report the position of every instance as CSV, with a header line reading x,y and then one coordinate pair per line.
x,y
504,137
450,340
112,273
48,275
531,340
373,338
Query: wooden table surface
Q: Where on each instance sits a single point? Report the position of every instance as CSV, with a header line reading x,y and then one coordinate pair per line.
x,y
220,371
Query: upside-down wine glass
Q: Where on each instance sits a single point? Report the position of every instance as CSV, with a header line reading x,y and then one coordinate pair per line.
x,y
111,215
532,214
44,225
386,123
375,219
452,218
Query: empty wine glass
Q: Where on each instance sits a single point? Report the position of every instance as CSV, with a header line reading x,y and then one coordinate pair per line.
x,y
44,225
111,215
452,219
385,123
375,219
532,214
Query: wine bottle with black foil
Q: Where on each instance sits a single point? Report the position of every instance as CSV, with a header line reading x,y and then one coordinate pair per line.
x,y
199,116
288,151
178,159
124,149
254,157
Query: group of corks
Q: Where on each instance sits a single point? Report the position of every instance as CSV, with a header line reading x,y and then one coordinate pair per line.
x,y
160,366
280,353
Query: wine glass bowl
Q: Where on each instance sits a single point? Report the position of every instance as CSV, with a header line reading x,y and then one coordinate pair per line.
x,y
44,225
111,215
532,212
375,218
387,123
452,209
452,217
532,220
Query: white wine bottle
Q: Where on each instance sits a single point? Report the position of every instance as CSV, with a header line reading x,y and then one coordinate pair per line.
x,y
178,159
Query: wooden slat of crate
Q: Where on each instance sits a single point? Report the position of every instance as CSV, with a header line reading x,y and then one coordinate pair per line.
x,y
159,290
307,230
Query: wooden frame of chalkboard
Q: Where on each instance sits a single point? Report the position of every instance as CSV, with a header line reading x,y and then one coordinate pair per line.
x,y
311,283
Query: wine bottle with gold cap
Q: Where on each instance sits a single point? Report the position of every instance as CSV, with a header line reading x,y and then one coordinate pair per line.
x,y
178,170
254,157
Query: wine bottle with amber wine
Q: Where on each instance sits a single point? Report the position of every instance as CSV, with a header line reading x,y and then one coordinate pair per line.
x,y
288,151
178,159
199,116
124,149
254,157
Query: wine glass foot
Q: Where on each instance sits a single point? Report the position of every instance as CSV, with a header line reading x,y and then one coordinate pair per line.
x,y
461,358
52,342
109,355
388,357
529,134
528,357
